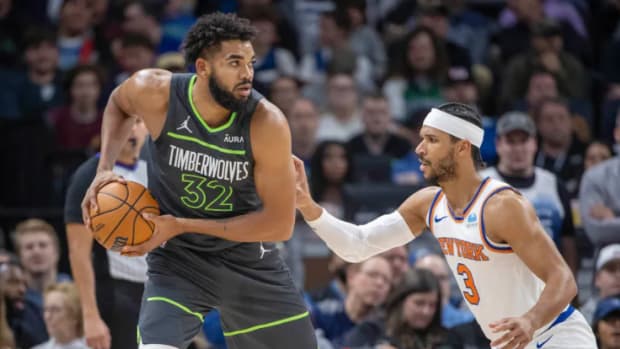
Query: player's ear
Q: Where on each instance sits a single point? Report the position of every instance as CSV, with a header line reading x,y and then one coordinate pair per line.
x,y
464,147
203,68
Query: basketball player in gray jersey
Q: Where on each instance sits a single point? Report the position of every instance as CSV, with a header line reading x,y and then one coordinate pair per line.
x,y
220,167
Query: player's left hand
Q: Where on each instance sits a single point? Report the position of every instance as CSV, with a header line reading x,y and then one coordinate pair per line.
x,y
166,227
519,332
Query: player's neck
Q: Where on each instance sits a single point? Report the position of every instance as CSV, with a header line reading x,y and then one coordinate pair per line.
x,y
460,190
208,108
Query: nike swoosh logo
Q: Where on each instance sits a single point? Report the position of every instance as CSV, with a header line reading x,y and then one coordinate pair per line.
x,y
437,220
540,344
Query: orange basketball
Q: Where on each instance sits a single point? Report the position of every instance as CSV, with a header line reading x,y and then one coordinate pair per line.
x,y
119,221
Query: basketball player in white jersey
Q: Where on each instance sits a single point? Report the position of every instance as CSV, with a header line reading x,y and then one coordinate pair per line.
x,y
510,273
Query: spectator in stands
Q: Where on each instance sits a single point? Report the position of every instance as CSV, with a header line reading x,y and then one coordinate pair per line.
x,y
38,249
515,37
342,119
606,323
560,151
10,35
284,91
417,78
606,278
136,52
176,21
272,61
436,16
28,95
599,199
110,285
547,53
76,41
596,152
330,169
378,138
406,170
63,318
13,279
541,85
78,123
144,18
6,334
303,119
412,318
565,13
12,292
451,316
363,39
399,262
336,289
516,145
333,55
368,284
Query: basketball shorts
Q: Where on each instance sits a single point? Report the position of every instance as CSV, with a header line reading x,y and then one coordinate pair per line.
x,y
249,284
569,330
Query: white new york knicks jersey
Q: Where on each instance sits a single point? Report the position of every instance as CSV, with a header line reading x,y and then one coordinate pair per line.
x,y
494,281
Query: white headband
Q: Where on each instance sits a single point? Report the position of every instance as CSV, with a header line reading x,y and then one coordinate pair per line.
x,y
455,126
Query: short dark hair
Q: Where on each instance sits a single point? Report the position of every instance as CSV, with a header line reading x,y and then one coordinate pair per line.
x,y
137,40
340,17
471,115
210,30
36,36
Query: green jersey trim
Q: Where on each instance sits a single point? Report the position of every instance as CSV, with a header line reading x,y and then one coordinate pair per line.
x,y
205,144
231,119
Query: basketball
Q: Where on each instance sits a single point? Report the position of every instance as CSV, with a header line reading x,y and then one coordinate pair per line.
x,y
119,221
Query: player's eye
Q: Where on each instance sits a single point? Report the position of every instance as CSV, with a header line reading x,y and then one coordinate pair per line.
x,y
234,63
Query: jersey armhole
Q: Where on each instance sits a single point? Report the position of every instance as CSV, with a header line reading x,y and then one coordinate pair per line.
x,y
431,210
490,245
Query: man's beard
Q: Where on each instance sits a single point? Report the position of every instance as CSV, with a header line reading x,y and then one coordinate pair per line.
x,y
444,171
224,98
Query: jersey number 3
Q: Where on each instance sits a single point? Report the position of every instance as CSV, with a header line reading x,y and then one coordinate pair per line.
x,y
208,195
471,293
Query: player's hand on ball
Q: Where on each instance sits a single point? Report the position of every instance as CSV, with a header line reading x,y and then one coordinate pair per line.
x,y
166,227
96,333
519,332
90,198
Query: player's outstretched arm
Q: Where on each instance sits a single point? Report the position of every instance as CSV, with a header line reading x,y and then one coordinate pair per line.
x,y
531,243
144,94
355,243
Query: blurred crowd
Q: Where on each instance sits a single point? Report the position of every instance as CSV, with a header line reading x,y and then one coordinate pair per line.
x,y
355,79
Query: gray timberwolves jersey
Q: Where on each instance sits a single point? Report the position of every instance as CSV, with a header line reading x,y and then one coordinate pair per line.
x,y
196,171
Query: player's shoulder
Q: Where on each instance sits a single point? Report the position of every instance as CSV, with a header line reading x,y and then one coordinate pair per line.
x,y
421,200
504,203
268,116
149,80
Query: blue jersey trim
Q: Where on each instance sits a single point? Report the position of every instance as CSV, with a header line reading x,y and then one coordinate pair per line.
x,y
483,228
